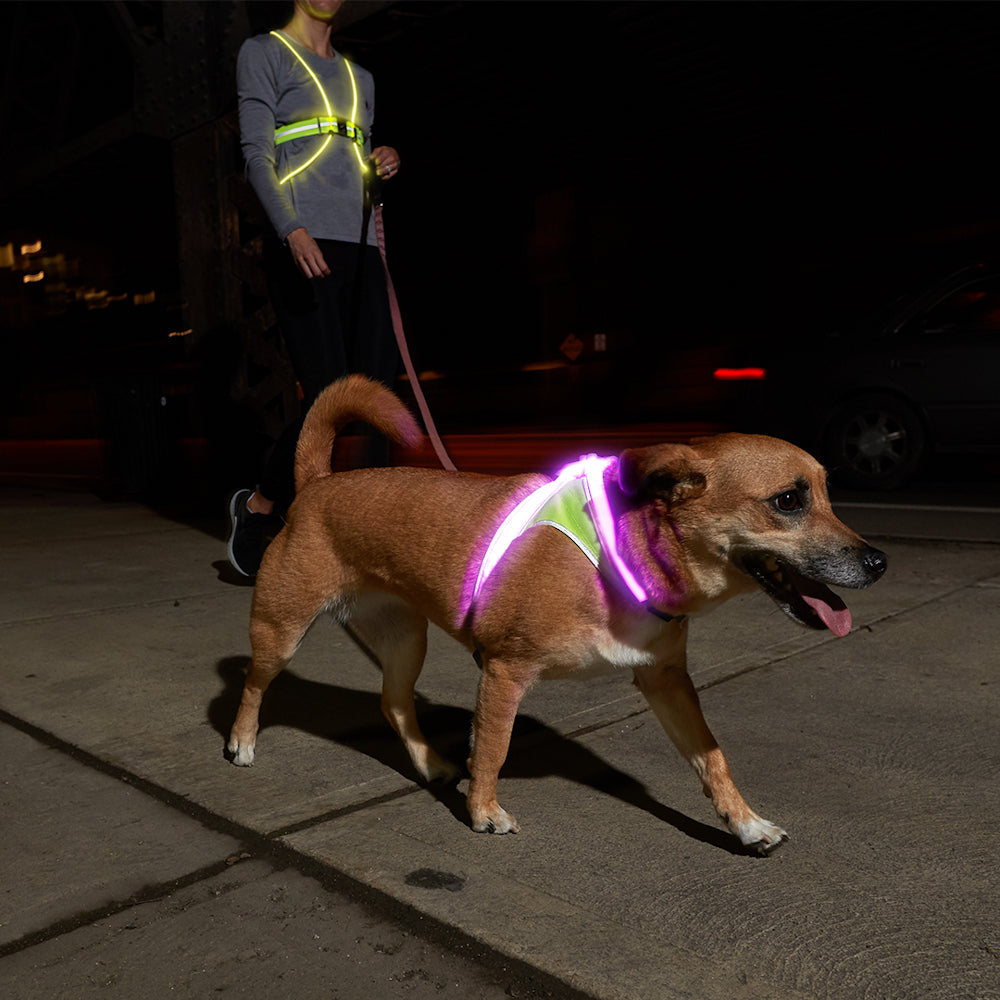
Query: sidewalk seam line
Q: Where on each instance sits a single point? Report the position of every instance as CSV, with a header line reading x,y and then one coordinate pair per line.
x,y
333,814
85,918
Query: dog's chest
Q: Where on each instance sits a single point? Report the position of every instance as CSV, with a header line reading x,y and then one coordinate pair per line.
x,y
641,642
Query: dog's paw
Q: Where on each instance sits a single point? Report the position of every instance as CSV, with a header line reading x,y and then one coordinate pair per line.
x,y
240,753
436,770
760,836
495,820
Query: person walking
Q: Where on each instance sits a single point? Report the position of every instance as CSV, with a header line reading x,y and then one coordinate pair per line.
x,y
306,117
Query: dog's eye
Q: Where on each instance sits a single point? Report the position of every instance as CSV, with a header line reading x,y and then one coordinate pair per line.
x,y
788,502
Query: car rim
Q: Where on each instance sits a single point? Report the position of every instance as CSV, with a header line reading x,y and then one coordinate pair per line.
x,y
875,443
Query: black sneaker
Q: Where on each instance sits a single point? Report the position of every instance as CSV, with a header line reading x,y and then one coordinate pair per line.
x,y
247,534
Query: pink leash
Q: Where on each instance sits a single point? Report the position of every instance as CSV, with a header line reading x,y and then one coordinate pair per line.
x,y
404,350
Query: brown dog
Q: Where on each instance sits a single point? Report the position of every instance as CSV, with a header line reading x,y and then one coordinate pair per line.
x,y
386,550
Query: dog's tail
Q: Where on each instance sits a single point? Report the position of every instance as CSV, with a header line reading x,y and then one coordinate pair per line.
x,y
344,401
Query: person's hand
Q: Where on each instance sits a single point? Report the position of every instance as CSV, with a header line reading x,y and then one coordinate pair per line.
x,y
306,253
386,161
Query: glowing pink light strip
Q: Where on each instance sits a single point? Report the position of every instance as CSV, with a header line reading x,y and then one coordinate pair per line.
x,y
591,469
514,524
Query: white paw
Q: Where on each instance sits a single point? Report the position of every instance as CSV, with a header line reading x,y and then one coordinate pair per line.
x,y
496,821
440,771
761,835
241,753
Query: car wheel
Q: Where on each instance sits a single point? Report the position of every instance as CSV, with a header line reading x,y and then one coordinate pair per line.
x,y
874,442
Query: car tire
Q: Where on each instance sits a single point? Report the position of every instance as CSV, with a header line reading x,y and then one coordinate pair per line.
x,y
874,442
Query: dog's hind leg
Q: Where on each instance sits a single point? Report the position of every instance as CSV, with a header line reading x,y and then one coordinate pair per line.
x,y
396,635
277,626
672,696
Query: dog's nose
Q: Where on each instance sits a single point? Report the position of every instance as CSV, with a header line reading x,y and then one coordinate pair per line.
x,y
875,563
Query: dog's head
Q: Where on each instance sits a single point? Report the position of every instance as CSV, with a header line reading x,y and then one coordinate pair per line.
x,y
728,512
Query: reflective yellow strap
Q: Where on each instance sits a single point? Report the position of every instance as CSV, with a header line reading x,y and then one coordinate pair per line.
x,y
318,126
326,104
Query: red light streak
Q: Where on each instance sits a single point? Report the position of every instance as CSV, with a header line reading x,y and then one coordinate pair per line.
x,y
740,374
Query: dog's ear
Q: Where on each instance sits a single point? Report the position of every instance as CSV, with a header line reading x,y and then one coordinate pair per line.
x,y
665,470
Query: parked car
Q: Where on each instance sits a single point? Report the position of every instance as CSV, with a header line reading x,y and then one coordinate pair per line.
x,y
874,400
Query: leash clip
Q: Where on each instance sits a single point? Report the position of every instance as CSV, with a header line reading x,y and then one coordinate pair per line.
x,y
374,186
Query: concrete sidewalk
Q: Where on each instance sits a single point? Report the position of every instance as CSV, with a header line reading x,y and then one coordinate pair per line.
x,y
137,861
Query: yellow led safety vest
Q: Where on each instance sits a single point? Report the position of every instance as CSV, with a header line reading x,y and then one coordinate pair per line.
x,y
328,124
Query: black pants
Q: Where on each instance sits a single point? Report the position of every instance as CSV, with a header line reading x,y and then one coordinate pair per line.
x,y
332,327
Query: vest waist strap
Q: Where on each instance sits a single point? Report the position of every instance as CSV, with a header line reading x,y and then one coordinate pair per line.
x,y
320,126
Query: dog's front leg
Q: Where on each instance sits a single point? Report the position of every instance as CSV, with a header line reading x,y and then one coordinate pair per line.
x,y
672,696
501,689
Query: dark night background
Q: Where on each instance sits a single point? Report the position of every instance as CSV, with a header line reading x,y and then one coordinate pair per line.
x,y
656,174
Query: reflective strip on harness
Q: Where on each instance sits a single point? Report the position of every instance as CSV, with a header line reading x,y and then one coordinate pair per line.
x,y
568,510
319,126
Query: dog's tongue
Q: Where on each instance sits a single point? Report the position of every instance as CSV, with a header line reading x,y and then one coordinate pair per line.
x,y
833,612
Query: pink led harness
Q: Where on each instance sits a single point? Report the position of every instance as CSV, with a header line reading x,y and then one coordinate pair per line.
x,y
590,469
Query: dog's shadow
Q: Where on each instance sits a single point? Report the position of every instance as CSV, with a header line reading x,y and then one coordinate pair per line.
x,y
354,718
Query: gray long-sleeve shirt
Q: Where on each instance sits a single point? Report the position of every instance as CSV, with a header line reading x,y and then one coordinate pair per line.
x,y
275,90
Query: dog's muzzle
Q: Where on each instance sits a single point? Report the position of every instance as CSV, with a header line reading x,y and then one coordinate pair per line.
x,y
802,592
